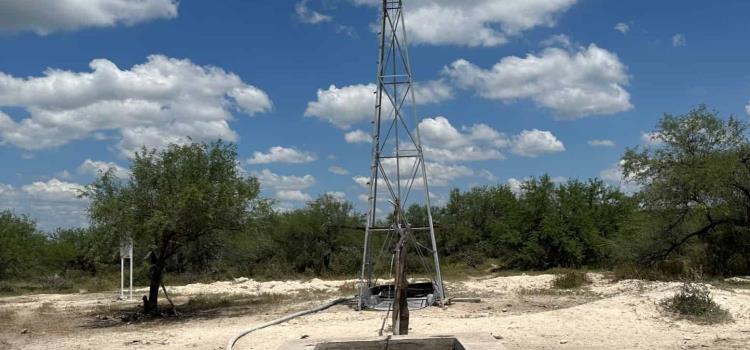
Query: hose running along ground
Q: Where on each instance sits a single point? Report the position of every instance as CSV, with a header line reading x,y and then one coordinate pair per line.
x,y
233,341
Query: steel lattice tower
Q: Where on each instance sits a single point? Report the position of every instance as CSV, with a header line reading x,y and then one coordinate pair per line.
x,y
398,168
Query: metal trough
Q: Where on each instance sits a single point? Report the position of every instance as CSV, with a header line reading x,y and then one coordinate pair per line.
x,y
419,295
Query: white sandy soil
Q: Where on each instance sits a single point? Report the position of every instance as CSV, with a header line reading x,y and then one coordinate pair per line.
x,y
519,310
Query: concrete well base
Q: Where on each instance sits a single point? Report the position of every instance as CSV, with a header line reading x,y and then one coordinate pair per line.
x,y
469,341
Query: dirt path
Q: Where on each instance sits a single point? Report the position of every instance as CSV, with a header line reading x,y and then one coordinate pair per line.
x,y
520,309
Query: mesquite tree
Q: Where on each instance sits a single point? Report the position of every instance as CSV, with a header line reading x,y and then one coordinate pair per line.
x,y
173,197
696,189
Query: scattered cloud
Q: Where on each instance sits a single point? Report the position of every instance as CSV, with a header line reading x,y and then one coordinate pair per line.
x,y
488,175
477,22
614,176
651,139
433,91
444,143
357,136
344,106
533,143
442,175
271,180
515,185
53,203
346,30
601,143
65,175
46,16
162,101
339,196
279,154
293,196
622,27
54,190
561,40
349,105
338,170
585,82
363,198
97,168
306,15
679,40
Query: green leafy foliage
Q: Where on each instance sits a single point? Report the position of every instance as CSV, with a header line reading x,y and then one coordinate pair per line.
x,y
19,245
176,199
695,200
545,226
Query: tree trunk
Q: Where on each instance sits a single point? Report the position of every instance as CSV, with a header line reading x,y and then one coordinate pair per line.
x,y
151,304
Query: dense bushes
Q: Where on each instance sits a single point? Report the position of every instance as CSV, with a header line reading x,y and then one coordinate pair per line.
x,y
546,225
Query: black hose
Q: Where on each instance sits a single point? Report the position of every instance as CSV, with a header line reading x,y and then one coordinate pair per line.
x,y
234,339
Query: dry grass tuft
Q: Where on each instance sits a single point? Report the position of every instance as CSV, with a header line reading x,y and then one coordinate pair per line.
x,y
570,279
693,302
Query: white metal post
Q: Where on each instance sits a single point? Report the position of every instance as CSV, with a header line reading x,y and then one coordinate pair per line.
x,y
131,270
122,277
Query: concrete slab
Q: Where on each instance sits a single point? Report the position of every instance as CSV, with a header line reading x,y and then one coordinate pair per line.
x,y
467,341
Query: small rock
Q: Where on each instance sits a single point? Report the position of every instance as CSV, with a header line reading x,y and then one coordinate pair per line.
x,y
505,310
24,331
563,342
304,336
497,336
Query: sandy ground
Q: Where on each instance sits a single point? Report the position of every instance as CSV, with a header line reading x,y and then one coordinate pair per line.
x,y
520,310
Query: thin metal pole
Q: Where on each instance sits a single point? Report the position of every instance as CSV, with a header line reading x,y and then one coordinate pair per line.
x,y
131,270
122,276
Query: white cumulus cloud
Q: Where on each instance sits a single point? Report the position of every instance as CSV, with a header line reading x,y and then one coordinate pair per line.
x,y
614,176
475,22
444,143
293,196
533,143
52,204
47,16
279,154
357,136
575,84
652,139
162,101
337,170
54,190
96,168
271,180
349,105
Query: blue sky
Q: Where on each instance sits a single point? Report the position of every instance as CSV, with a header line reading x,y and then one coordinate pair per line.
x,y
509,88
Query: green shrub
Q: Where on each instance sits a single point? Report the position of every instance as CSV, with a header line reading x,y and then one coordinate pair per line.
x,y
570,279
669,270
693,301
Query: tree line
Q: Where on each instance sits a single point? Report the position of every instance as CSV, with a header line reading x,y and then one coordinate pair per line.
x,y
192,212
